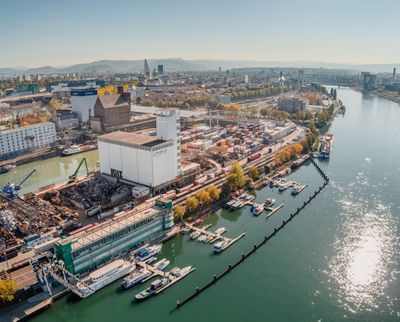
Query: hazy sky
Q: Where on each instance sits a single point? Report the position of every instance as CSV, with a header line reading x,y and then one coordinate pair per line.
x,y
64,32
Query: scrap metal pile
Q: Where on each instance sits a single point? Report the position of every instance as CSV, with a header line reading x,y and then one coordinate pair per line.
x,y
19,218
96,191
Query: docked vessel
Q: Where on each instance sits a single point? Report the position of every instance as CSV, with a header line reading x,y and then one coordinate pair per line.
x,y
194,235
7,168
220,246
152,289
145,253
105,275
220,231
257,210
74,149
151,260
295,190
269,202
162,264
135,278
325,146
202,238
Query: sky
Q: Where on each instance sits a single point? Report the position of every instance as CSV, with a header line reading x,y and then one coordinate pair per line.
x,y
64,32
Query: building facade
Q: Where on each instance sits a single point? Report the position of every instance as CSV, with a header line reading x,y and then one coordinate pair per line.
x,y
25,139
147,160
83,100
66,120
113,238
112,110
292,104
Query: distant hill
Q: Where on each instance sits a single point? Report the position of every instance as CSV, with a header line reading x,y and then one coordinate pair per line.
x,y
179,64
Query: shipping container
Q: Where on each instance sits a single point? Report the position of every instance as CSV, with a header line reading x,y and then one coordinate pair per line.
x,y
253,157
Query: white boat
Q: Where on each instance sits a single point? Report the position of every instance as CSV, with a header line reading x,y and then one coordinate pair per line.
x,y
145,253
152,289
202,238
220,231
269,202
257,210
105,275
184,271
151,260
194,235
162,264
220,246
135,278
72,150
175,271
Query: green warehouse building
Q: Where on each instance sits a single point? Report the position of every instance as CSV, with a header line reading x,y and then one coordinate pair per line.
x,y
90,248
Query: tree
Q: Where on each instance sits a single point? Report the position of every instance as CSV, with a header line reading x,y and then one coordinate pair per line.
x,y
298,148
108,89
264,112
236,178
214,192
179,212
192,204
253,172
7,289
203,197
267,169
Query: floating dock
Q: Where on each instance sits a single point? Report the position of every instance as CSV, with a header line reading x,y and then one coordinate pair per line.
x,y
204,231
272,210
174,279
232,241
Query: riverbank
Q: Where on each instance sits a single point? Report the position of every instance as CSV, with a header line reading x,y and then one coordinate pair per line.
x,y
43,154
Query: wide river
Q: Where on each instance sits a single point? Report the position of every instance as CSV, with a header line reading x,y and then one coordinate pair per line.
x,y
337,261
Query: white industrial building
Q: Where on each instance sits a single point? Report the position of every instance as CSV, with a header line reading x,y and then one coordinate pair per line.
x,y
143,159
278,130
82,100
27,138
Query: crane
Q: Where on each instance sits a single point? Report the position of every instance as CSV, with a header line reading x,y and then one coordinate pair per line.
x,y
73,176
11,189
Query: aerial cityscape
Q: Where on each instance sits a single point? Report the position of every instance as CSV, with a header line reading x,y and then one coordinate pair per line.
x,y
205,161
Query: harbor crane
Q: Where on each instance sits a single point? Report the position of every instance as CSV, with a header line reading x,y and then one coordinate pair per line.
x,y
72,177
11,190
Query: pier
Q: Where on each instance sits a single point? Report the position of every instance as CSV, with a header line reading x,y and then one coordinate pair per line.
x,y
204,231
261,243
272,210
174,279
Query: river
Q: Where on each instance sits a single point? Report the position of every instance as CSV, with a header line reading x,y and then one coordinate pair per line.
x,y
53,170
337,261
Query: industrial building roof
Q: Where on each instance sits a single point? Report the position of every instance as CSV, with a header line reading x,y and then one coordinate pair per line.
x,y
131,138
120,221
113,100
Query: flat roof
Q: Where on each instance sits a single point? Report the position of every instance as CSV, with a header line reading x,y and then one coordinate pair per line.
x,y
120,221
26,127
131,138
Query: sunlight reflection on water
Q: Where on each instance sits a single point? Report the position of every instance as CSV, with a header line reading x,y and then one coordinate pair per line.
x,y
365,249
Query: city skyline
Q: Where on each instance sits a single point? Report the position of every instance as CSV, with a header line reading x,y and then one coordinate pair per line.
x,y
312,31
